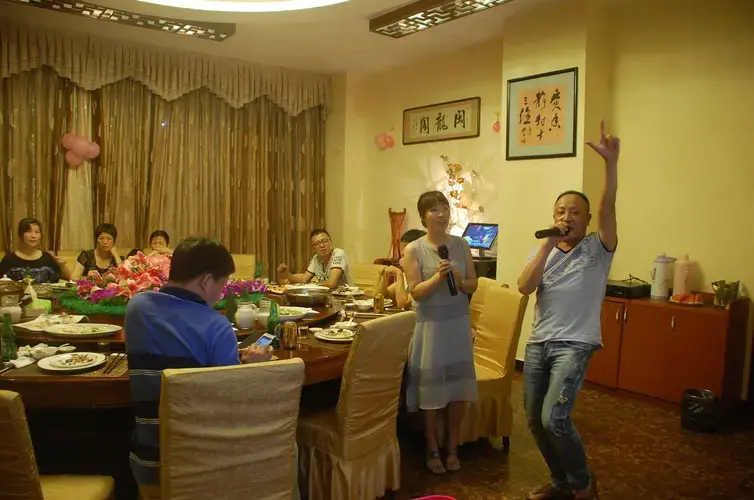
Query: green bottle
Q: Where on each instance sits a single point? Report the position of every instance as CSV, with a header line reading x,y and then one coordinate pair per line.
x,y
273,320
231,306
259,271
8,340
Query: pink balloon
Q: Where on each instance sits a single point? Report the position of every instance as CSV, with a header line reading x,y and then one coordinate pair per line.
x,y
389,141
93,151
73,159
80,147
68,140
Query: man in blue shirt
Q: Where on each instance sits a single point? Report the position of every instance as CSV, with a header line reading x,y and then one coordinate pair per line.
x,y
569,273
177,328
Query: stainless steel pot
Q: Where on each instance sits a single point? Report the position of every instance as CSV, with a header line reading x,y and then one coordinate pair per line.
x,y
307,298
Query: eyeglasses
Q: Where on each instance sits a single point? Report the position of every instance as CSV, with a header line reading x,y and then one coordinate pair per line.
x,y
321,242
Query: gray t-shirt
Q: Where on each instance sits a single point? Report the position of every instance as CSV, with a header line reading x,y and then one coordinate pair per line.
x,y
569,298
338,260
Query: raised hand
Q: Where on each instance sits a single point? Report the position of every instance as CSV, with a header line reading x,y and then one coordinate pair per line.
x,y
608,147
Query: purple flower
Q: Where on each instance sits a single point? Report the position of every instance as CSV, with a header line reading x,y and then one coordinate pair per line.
x,y
105,293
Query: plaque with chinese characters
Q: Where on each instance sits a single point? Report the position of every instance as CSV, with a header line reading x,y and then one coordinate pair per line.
x,y
442,122
542,115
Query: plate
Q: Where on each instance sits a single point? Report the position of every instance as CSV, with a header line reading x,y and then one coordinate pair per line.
x,y
335,335
58,362
688,304
293,313
83,330
306,286
348,291
278,289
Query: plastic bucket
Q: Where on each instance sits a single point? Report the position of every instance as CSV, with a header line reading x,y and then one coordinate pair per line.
x,y
701,411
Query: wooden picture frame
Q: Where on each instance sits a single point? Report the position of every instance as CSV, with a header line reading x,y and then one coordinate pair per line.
x,y
444,121
542,113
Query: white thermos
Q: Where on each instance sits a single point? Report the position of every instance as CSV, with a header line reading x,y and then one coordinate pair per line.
x,y
681,275
661,277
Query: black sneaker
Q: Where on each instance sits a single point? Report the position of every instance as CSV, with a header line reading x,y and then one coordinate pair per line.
x,y
549,492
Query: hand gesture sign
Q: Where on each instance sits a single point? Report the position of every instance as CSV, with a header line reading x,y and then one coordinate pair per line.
x,y
608,147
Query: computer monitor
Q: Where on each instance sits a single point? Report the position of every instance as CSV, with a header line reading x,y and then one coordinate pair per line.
x,y
480,236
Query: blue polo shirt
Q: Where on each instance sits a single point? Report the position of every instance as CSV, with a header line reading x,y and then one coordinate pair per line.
x,y
172,328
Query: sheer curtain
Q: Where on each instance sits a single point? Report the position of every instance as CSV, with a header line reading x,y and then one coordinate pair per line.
x,y
35,114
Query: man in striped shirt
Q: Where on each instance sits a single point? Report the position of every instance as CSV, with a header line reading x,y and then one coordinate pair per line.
x,y
177,328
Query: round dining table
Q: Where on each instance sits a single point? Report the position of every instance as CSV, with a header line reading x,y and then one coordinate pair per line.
x,y
108,385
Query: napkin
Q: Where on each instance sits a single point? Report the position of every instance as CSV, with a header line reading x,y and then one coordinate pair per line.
x,y
22,361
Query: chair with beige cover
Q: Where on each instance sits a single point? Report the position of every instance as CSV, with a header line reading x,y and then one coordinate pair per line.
x,y
477,300
365,276
230,432
496,339
19,477
352,452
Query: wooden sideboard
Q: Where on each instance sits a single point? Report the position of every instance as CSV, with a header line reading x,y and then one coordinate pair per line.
x,y
660,349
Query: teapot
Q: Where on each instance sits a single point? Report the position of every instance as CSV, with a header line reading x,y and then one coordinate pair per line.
x,y
246,315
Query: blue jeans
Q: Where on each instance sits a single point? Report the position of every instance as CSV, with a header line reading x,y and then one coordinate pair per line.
x,y
554,373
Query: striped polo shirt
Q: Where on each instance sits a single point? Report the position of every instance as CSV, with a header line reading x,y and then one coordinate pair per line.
x,y
172,328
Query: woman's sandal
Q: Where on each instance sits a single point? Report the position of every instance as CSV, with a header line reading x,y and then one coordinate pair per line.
x,y
434,462
452,464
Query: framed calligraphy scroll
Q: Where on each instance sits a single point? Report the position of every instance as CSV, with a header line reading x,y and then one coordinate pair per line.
x,y
542,115
442,122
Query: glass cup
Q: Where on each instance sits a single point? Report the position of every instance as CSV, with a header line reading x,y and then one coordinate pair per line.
x,y
303,331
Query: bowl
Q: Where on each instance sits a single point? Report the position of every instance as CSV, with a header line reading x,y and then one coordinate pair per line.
x,y
363,305
306,297
66,348
345,325
43,352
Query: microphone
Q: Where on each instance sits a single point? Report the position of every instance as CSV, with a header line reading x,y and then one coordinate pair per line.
x,y
442,250
553,231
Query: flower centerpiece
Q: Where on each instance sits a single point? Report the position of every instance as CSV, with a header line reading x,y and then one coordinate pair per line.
x,y
243,290
135,274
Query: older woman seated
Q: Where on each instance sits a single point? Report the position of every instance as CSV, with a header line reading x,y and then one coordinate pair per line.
x,y
103,257
398,291
329,265
159,242
30,259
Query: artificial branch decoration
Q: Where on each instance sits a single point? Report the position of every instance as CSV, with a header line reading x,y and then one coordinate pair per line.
x,y
460,192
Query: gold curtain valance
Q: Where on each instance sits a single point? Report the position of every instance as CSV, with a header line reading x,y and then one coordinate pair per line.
x,y
93,62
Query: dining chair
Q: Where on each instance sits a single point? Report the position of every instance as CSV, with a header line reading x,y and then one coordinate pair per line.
x,y
230,432
497,332
19,476
352,452
477,299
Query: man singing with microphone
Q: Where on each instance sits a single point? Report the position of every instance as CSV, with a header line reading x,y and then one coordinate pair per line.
x,y
569,273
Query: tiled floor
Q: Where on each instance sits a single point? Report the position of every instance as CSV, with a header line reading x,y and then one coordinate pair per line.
x,y
637,449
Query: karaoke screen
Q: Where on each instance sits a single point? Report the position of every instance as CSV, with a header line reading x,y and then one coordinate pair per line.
x,y
481,235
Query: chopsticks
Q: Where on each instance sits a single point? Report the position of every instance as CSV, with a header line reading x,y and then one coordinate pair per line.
x,y
114,363
7,368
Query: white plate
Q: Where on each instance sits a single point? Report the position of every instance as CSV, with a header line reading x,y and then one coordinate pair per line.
x,y
293,313
53,362
328,337
83,330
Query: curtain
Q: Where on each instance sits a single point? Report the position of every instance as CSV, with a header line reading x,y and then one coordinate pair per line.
x,y
251,177
95,62
35,114
120,182
77,231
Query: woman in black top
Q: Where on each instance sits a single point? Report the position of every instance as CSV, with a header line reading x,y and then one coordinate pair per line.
x,y
30,259
103,257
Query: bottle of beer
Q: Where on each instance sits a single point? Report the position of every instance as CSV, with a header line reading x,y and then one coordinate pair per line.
x,y
231,306
8,340
273,324
259,271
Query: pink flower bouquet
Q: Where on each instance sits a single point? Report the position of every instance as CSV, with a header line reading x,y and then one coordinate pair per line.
x,y
135,274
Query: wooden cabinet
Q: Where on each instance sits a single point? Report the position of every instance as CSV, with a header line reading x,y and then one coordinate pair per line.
x,y
660,349
603,367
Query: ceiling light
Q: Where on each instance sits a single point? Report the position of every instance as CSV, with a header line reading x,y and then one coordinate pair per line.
x,y
423,14
245,6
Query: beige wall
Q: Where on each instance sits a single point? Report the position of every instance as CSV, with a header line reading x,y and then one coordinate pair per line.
x,y
363,182
672,82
